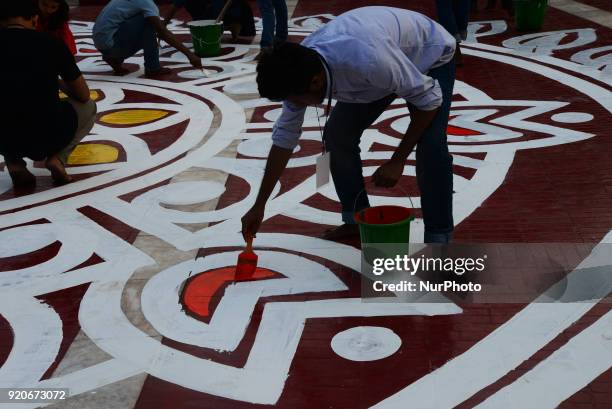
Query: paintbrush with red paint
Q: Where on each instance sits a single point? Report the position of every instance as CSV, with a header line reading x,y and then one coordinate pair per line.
x,y
247,261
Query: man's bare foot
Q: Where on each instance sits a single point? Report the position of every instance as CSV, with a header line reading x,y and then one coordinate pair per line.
x,y
116,64
341,232
58,171
20,175
158,72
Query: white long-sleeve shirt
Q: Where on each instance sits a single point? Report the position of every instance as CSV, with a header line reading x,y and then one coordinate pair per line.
x,y
373,52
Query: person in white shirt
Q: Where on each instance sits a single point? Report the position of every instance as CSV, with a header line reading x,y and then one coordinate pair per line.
x,y
365,59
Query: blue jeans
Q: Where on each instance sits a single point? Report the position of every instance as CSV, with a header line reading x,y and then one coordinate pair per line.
x,y
136,34
273,14
434,167
454,15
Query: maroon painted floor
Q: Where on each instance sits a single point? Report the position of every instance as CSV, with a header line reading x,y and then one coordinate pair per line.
x,y
554,191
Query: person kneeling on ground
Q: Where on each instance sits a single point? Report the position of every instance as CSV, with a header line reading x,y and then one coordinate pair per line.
x,y
366,59
35,123
125,27
238,18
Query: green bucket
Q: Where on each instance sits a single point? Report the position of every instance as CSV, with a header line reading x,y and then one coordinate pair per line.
x,y
529,14
385,233
384,224
206,36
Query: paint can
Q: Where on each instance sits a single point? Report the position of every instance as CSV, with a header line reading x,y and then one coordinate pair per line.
x,y
384,224
385,233
529,14
206,36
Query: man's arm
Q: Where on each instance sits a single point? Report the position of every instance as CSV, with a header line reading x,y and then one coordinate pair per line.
x,y
389,173
168,37
77,89
71,80
276,164
395,72
285,135
419,122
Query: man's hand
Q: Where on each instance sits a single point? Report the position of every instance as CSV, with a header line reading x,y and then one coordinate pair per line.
x,y
195,60
251,222
388,174
164,34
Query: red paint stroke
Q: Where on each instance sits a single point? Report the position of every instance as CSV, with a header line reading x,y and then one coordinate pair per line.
x,y
458,131
203,289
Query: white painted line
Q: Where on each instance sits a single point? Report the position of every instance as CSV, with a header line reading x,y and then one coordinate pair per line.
x,y
584,11
568,370
37,335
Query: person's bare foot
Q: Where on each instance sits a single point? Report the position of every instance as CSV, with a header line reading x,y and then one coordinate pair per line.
x,y
58,171
20,175
116,65
157,73
341,232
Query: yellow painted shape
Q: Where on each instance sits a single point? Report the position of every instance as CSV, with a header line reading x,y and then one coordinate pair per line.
x,y
93,154
93,94
133,116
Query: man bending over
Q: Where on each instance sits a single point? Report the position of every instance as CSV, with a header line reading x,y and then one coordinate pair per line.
x,y
366,59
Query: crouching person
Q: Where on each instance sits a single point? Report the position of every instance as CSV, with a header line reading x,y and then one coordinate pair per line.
x,y
34,122
124,27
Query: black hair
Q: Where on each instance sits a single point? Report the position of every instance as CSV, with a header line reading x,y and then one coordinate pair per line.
x,y
287,69
61,16
18,8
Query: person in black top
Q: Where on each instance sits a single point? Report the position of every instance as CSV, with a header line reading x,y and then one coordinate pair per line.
x,y
36,124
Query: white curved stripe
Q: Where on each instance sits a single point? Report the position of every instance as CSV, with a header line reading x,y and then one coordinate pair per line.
x,y
37,336
568,65
77,247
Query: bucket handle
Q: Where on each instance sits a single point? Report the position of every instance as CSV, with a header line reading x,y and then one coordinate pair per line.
x,y
362,214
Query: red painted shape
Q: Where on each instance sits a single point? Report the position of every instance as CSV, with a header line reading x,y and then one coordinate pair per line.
x,y
200,290
458,131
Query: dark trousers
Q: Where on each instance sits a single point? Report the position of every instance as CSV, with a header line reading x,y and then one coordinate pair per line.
x,y
274,21
454,15
347,122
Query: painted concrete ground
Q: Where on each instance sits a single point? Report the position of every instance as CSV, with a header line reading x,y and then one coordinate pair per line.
x,y
117,286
